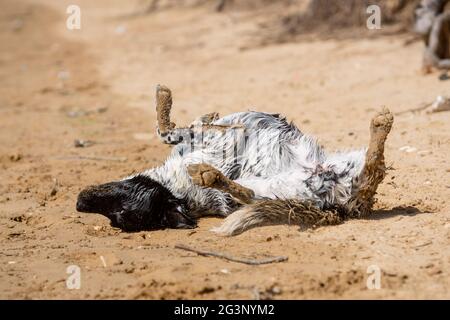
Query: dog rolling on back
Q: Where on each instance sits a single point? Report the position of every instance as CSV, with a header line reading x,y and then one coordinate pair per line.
x,y
288,175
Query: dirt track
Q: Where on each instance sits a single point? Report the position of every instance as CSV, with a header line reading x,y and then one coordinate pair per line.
x,y
98,83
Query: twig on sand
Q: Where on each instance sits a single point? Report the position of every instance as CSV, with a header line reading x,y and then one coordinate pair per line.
x,y
230,258
424,244
102,158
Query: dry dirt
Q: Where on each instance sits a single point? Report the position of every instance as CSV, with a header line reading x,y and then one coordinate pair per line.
x,y
98,83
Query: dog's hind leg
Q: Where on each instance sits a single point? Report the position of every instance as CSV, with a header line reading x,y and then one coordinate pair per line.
x,y
163,108
167,130
374,169
205,175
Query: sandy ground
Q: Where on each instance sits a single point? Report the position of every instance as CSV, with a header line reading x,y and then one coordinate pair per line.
x,y
97,84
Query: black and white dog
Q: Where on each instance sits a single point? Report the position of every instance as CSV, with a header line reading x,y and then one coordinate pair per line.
x,y
260,151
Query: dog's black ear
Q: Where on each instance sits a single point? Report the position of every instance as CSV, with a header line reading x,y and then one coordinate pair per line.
x,y
135,204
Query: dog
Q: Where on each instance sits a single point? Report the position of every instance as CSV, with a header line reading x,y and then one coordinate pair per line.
x,y
285,175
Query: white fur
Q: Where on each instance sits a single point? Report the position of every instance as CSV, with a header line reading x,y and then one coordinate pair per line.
x,y
271,157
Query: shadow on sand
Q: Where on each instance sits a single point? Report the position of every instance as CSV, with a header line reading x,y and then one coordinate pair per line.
x,y
394,212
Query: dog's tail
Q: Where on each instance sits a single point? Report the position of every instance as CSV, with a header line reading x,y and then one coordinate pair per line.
x,y
275,212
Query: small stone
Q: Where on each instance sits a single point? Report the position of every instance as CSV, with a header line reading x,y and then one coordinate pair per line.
x,y
75,113
102,109
276,290
440,104
129,270
63,75
206,290
78,143
408,149
120,29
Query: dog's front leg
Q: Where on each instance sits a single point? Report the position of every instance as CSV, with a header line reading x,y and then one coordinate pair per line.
x,y
205,175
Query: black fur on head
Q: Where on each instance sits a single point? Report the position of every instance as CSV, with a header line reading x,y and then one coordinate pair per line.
x,y
135,204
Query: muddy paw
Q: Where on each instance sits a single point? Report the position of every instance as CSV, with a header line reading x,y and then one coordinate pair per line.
x,y
163,92
382,122
204,175
163,106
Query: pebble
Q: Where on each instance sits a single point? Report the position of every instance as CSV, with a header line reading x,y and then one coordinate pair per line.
x,y
63,75
206,289
120,29
17,25
408,149
275,290
129,270
78,143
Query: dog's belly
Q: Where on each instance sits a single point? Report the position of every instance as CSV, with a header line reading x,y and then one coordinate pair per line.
x,y
286,185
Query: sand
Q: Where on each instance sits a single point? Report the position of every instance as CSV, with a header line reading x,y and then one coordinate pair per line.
x,y
98,83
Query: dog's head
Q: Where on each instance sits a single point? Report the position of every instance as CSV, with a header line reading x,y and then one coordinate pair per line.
x,y
134,204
